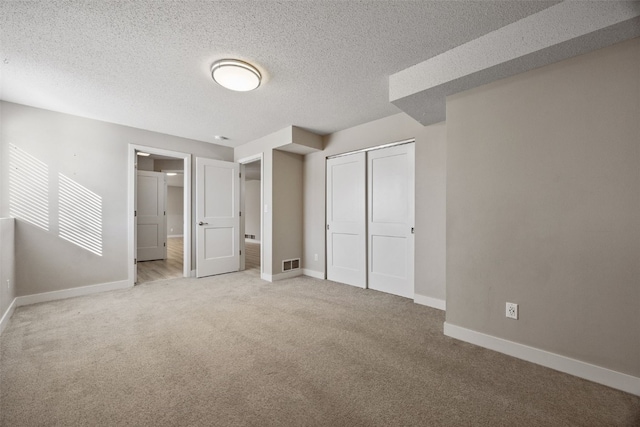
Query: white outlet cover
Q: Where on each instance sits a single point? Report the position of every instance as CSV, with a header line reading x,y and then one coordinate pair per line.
x,y
512,311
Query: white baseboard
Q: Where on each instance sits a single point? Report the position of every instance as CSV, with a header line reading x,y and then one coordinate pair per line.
x,y
598,374
313,273
286,275
281,276
4,321
440,304
175,235
72,292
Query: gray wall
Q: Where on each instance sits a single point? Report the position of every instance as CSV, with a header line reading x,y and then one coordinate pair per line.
x,y
70,145
175,211
287,208
7,264
543,208
145,163
430,194
160,165
252,208
276,242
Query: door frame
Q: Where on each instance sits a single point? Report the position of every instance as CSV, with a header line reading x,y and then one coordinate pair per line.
x,y
243,161
131,193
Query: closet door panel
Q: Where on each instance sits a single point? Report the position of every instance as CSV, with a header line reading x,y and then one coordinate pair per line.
x,y
390,188
346,220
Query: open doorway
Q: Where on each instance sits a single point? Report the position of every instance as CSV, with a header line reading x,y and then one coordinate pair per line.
x,y
252,214
160,214
160,217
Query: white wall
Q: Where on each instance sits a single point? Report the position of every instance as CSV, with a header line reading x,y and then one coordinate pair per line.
x,y
70,145
252,208
175,210
543,208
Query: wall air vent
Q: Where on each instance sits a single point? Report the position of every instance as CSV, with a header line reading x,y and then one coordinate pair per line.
x,y
290,264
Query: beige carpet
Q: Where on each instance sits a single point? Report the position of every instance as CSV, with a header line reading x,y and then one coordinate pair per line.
x,y
233,350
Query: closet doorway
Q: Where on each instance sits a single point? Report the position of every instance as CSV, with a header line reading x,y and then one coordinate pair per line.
x,y
251,219
370,218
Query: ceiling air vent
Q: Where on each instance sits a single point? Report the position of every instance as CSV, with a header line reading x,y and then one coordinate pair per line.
x,y
290,264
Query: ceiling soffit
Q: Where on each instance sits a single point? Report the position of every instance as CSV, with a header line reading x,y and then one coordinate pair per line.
x,y
551,35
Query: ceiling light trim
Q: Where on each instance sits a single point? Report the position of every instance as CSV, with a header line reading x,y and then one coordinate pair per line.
x,y
236,75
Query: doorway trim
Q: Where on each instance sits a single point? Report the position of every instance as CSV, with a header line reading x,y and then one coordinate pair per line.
x,y
131,192
244,161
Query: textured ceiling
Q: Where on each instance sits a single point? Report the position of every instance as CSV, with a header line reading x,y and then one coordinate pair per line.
x,y
146,63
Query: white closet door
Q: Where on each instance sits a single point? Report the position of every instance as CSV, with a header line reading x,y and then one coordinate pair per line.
x,y
346,220
390,183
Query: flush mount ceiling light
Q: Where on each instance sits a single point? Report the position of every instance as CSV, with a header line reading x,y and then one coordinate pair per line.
x,y
235,75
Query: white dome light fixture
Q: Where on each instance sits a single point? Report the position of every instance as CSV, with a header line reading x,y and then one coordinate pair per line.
x,y
235,75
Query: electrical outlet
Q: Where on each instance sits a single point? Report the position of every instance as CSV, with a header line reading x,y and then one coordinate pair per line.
x,y
512,310
8,285
315,257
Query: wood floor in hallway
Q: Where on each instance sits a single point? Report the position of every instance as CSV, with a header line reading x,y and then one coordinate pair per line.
x,y
149,271
170,268
252,258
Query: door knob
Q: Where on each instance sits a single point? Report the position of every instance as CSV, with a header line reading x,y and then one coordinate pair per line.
x,y
203,223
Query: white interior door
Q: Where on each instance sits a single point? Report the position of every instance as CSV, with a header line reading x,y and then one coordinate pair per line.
x,y
390,183
151,215
346,220
217,217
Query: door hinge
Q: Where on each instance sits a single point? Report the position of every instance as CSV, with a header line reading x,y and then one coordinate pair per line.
x,y
327,226
240,175
135,260
165,244
165,213
135,213
240,252
413,230
240,213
